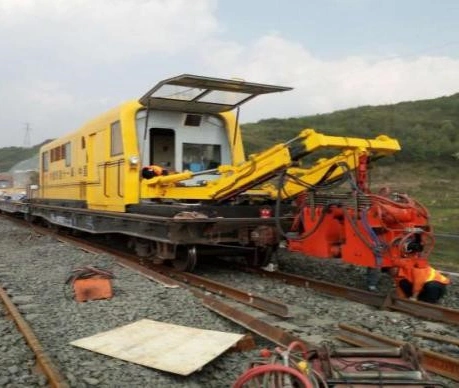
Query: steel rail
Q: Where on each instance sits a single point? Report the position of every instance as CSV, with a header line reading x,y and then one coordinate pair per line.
x,y
424,310
173,278
390,302
270,332
120,260
266,330
255,325
432,361
55,379
437,337
270,305
153,275
262,328
354,294
437,363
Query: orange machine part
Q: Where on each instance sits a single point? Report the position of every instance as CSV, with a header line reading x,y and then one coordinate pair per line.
x,y
92,289
340,231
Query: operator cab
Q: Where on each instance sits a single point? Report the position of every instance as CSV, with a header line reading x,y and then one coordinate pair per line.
x,y
183,126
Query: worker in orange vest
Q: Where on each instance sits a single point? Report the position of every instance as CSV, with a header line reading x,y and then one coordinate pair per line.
x,y
419,281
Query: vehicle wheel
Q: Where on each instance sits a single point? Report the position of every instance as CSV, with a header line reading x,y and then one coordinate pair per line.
x,y
185,258
142,247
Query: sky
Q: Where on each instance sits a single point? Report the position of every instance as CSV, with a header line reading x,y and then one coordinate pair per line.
x,y
63,62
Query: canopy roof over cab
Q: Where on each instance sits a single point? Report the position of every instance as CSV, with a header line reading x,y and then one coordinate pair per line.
x,y
197,94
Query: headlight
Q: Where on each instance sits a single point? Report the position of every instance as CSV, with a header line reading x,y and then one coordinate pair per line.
x,y
133,161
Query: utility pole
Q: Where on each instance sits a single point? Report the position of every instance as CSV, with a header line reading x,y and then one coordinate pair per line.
x,y
27,135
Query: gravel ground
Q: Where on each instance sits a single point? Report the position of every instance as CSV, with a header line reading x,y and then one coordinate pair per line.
x,y
34,270
316,317
16,359
352,276
319,314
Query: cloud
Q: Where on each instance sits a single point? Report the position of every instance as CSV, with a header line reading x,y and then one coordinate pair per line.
x,y
105,30
64,61
327,85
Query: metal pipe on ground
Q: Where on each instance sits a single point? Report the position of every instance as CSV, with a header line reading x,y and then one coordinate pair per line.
x,y
55,379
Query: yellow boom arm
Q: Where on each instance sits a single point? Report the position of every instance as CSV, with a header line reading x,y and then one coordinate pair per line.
x,y
259,168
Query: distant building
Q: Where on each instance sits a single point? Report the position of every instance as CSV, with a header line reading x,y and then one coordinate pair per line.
x,y
25,173
16,182
6,181
23,179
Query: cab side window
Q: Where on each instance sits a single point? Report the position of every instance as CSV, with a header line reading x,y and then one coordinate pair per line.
x,y
68,154
45,161
116,143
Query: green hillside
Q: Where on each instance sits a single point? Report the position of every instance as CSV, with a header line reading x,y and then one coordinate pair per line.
x,y
427,129
9,156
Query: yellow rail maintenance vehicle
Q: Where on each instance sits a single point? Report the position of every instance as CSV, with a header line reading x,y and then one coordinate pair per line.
x,y
168,172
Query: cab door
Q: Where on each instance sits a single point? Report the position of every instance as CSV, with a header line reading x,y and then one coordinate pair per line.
x,y
92,182
162,146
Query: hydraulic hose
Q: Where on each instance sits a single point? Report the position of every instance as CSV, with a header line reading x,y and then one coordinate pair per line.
x,y
272,370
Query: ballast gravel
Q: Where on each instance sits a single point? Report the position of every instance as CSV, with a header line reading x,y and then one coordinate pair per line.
x,y
34,270
349,275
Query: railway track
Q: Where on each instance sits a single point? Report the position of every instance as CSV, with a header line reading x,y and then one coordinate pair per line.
x,y
36,267
442,365
432,361
200,287
44,364
270,332
390,302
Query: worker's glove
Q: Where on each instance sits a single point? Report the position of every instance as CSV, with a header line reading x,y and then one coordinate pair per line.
x,y
413,298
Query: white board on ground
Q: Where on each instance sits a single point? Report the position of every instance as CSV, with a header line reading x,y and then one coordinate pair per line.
x,y
172,348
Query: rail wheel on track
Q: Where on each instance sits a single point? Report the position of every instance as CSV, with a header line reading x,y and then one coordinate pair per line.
x,y
186,258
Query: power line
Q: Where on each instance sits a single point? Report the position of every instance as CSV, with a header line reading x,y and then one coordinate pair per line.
x,y
27,135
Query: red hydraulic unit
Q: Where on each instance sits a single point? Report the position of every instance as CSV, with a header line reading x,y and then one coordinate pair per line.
x,y
360,227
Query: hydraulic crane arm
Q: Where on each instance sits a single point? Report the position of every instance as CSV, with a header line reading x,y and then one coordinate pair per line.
x,y
309,141
324,171
261,167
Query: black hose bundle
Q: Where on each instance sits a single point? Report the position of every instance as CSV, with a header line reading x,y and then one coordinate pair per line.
x,y
87,272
